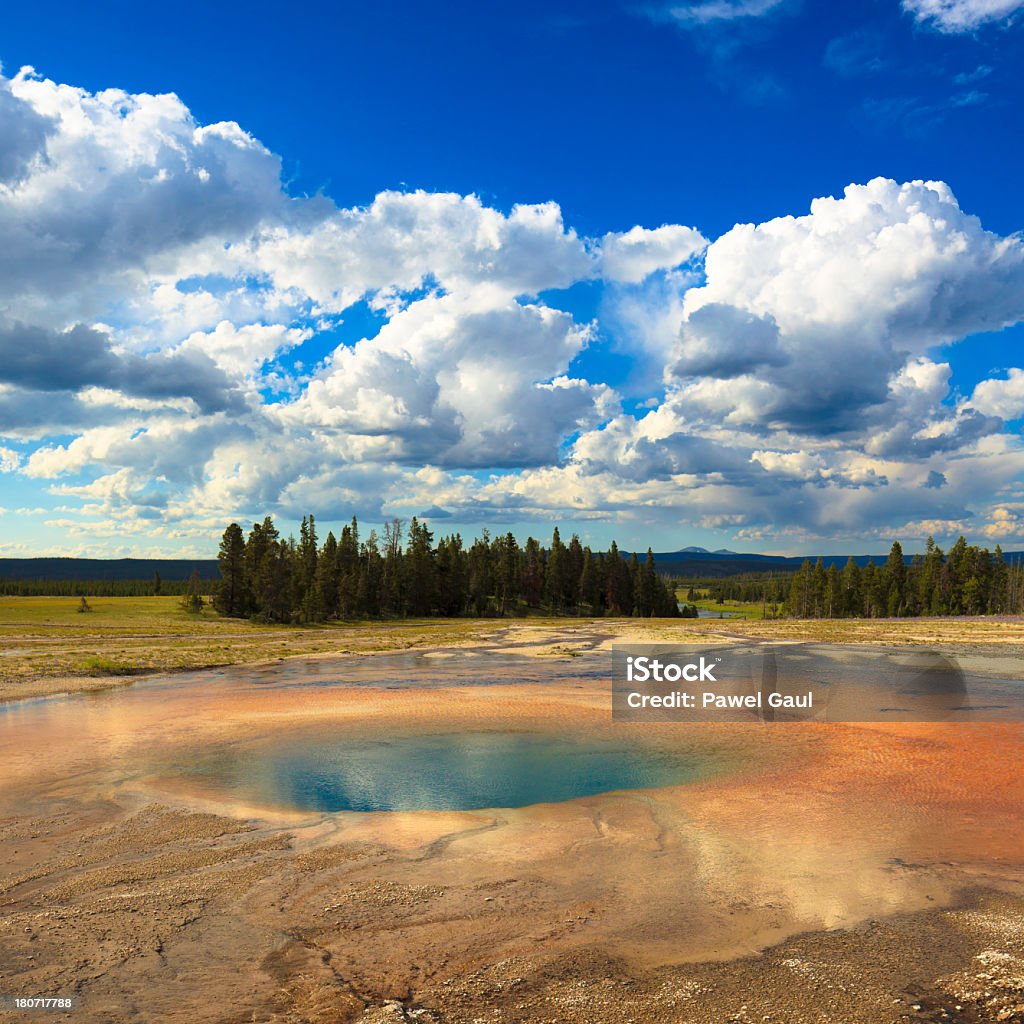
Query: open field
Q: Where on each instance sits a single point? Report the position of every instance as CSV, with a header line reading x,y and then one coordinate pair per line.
x,y
738,609
47,646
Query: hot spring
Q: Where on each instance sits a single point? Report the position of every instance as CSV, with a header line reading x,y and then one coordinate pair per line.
x,y
443,771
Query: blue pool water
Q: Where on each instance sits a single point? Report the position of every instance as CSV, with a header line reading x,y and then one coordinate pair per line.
x,y
457,771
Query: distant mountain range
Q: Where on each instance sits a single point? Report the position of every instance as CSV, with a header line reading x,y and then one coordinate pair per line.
x,y
689,561
107,568
704,551
695,561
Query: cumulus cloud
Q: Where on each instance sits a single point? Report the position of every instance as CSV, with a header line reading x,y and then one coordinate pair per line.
x,y
1004,522
240,351
719,340
1001,397
932,273
466,381
129,181
954,16
403,240
812,333
632,255
23,135
10,460
45,360
170,357
856,289
156,269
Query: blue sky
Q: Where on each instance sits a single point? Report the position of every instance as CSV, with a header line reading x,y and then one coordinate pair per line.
x,y
621,117
652,399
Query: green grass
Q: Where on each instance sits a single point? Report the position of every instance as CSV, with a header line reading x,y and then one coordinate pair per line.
x,y
98,666
49,638
162,614
47,644
743,609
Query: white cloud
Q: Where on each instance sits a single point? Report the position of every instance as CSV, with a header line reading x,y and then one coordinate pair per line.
x,y
723,341
961,15
1004,522
161,289
884,258
403,240
10,460
23,136
471,381
128,182
704,12
1004,398
241,351
632,255
856,288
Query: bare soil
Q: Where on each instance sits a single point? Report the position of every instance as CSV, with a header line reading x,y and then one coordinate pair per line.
x,y
846,874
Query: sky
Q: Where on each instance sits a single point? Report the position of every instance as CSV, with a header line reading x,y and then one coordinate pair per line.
x,y
731,273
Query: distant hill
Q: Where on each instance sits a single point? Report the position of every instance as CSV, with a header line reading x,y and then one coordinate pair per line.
x,y
694,561
106,568
700,562
691,561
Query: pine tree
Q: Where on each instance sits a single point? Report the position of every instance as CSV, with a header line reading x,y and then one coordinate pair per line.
x,y
326,582
451,576
420,580
817,596
1000,577
894,580
558,570
590,583
231,594
392,581
852,596
833,593
481,583
509,574
347,570
532,585
649,584
306,573
192,600
574,569
371,577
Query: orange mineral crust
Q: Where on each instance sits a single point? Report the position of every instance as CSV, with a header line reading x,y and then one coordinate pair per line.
x,y
810,844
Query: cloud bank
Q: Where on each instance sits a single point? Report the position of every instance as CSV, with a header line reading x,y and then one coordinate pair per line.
x,y
180,345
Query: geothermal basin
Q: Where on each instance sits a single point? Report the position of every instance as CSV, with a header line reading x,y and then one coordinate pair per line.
x,y
324,839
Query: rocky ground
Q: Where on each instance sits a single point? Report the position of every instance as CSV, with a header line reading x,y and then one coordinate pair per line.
x,y
834,875
164,915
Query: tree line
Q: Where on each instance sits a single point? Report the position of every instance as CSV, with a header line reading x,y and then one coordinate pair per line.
x,y
745,588
404,573
101,587
966,580
767,590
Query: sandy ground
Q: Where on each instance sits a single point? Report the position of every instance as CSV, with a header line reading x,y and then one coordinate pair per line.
x,y
833,874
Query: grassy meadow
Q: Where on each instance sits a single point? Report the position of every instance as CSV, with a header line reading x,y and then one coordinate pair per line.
x,y
732,609
47,645
47,640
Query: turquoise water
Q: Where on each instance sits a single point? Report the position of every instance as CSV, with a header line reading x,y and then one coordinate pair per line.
x,y
456,771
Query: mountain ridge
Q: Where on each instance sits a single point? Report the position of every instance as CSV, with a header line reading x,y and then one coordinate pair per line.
x,y
688,561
